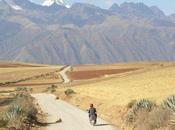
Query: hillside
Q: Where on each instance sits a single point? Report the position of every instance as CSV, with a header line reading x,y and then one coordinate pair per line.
x,y
84,33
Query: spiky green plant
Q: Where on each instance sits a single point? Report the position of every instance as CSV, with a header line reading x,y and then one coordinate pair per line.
x,y
143,104
13,111
15,108
19,111
169,103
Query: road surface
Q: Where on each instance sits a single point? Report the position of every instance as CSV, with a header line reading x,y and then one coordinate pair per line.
x,y
64,75
72,117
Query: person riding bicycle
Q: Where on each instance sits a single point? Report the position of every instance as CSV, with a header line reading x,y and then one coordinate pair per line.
x,y
92,111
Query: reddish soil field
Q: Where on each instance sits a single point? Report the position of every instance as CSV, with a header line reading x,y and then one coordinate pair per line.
x,y
90,74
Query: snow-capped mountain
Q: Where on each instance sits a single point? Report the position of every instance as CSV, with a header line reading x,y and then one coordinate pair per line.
x,y
53,34
13,5
51,2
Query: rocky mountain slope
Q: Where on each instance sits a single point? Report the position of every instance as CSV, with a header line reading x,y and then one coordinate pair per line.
x,y
84,33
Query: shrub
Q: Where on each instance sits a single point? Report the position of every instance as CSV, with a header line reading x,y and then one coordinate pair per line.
x,y
53,86
131,103
136,106
13,111
69,92
51,89
143,104
3,123
157,118
21,110
169,103
24,89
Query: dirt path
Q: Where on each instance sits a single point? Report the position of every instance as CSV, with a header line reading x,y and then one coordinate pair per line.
x,y
72,117
64,75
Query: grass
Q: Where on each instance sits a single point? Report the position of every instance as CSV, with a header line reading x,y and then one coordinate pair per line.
x,y
20,113
42,76
154,82
146,115
21,73
24,74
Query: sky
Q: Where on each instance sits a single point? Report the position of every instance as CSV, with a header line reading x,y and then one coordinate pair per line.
x,y
168,6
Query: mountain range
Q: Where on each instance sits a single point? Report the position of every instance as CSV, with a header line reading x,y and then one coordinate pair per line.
x,y
84,34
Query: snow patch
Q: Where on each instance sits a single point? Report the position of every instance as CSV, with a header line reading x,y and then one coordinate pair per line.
x,y
12,4
58,2
16,7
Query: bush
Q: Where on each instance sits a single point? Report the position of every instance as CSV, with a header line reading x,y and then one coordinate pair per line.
x,y
20,111
51,89
169,103
136,106
3,123
153,120
131,103
143,104
53,86
21,89
69,92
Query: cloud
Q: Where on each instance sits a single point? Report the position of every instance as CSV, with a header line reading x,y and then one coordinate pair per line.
x,y
109,2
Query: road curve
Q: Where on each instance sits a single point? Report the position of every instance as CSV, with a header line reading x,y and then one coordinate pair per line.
x,y
64,75
72,117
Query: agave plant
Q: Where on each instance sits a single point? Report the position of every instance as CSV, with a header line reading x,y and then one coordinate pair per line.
x,y
143,104
13,111
169,103
138,105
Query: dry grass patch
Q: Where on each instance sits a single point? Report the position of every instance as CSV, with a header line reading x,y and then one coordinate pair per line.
x,y
156,119
16,71
113,94
28,76
146,115
20,112
14,74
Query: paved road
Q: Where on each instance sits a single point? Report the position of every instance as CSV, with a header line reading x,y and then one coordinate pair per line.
x,y
72,117
64,75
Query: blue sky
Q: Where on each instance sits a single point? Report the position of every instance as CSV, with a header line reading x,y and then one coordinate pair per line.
x,y
168,6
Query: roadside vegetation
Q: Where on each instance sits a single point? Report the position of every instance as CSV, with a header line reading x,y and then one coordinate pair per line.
x,y
21,112
147,115
69,92
51,89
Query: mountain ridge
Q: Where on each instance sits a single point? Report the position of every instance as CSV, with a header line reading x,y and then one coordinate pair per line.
x,y
85,33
